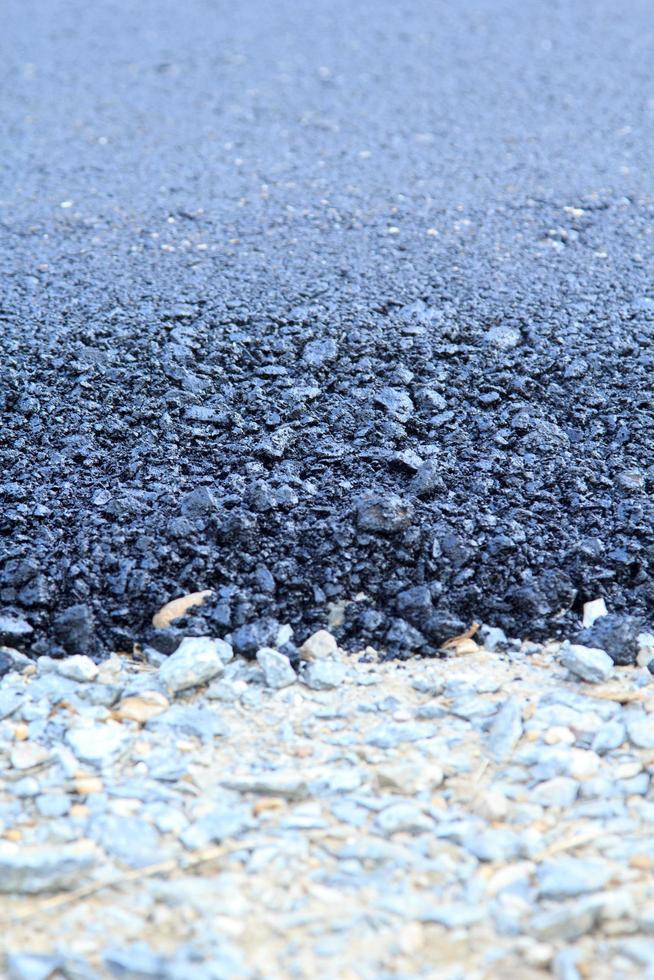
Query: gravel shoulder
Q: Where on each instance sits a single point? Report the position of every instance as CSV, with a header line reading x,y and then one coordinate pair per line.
x,y
484,815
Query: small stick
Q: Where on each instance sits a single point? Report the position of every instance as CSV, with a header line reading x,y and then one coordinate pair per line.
x,y
161,868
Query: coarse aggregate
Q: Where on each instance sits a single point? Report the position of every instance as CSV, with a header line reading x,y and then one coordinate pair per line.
x,y
343,311
484,816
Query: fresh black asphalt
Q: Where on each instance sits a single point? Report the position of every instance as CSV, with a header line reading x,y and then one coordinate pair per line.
x,y
325,305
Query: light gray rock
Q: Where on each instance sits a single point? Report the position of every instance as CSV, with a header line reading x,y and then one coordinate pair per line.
x,y
559,791
77,668
32,966
170,821
322,675
391,734
635,786
503,336
403,817
473,708
135,962
276,668
218,825
610,736
589,663
493,638
430,710
26,755
347,811
252,698
564,923
130,840
195,661
569,877
396,402
495,844
599,787
189,719
224,650
428,685
506,729
226,691
101,694
29,871
14,630
11,699
154,657
549,761
306,816
26,788
286,783
581,703
54,687
640,728
53,805
415,908
97,744
639,950
564,965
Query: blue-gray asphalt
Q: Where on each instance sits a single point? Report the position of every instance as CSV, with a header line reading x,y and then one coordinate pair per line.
x,y
329,305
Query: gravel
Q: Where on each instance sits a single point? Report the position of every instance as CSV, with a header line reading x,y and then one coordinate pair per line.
x,y
276,668
32,870
195,661
324,675
516,831
589,664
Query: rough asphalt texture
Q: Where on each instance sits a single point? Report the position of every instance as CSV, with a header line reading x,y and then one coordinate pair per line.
x,y
308,302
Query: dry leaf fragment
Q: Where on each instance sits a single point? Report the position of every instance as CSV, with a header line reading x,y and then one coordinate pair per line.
x,y
267,803
463,643
176,608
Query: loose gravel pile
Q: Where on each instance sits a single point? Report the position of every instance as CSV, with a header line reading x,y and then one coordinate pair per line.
x,y
202,816
304,309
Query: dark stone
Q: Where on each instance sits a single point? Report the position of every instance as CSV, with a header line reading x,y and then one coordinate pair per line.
x,y
403,636
427,479
198,503
74,628
442,626
14,631
251,637
418,598
164,640
383,513
615,634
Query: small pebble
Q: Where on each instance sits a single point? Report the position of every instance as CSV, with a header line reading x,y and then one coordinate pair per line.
x,y
322,675
196,661
276,668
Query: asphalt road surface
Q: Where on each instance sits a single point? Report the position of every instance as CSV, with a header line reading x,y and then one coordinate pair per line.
x,y
336,305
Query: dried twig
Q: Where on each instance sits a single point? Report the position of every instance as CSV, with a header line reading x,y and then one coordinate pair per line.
x,y
62,899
